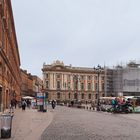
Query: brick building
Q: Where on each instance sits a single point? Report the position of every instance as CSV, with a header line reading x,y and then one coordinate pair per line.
x,y
26,83
30,84
9,57
66,83
37,85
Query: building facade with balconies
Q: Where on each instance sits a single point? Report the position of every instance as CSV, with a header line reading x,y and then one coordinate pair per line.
x,y
67,83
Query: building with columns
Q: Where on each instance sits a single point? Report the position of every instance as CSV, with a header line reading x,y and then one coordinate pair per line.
x,y
10,78
67,83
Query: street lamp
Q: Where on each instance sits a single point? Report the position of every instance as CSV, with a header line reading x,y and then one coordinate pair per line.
x,y
65,93
76,80
98,70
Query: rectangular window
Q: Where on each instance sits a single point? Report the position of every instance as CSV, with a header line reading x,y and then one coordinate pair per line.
x,y
69,95
58,76
89,77
82,95
96,77
47,75
96,96
103,86
96,86
89,86
103,78
47,84
58,84
82,77
75,85
82,86
89,96
68,85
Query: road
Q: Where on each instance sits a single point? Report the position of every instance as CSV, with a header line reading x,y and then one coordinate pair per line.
x,y
80,124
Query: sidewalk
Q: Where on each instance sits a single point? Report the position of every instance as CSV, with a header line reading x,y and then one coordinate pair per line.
x,y
29,124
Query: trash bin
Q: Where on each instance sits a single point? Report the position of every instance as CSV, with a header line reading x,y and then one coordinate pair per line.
x,y
6,125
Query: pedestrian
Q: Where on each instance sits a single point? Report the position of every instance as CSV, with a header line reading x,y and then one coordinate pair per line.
x,y
28,103
53,104
72,103
15,103
114,103
24,104
12,106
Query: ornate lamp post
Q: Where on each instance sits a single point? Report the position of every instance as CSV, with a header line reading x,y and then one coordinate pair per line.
x,y
98,70
65,85
76,80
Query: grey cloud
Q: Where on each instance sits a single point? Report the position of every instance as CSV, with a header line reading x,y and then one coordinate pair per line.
x,y
80,32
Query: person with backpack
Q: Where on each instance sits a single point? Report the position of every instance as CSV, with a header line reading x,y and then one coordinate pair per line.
x,y
114,103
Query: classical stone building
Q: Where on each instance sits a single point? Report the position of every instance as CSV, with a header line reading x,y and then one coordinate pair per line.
x,y
9,57
66,83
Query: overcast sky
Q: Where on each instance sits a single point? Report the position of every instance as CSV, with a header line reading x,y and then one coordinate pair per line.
x,y
78,32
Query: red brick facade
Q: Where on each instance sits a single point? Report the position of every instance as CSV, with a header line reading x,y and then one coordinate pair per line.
x,y
10,79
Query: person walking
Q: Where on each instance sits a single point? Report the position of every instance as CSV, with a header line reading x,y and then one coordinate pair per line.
x,y
12,104
24,104
28,103
53,104
15,103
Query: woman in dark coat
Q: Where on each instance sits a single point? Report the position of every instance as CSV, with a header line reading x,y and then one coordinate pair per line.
x,y
53,104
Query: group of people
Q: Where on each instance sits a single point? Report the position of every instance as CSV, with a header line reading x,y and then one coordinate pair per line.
x,y
25,103
121,104
13,104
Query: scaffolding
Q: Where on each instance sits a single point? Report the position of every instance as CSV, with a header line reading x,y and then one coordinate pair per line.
x,y
123,80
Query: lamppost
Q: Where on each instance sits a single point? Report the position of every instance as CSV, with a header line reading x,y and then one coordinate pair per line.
x,y
76,80
98,70
65,93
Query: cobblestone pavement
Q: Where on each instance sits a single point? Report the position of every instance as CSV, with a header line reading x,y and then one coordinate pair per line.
x,y
80,124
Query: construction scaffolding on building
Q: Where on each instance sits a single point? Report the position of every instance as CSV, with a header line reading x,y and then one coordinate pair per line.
x,y
123,80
